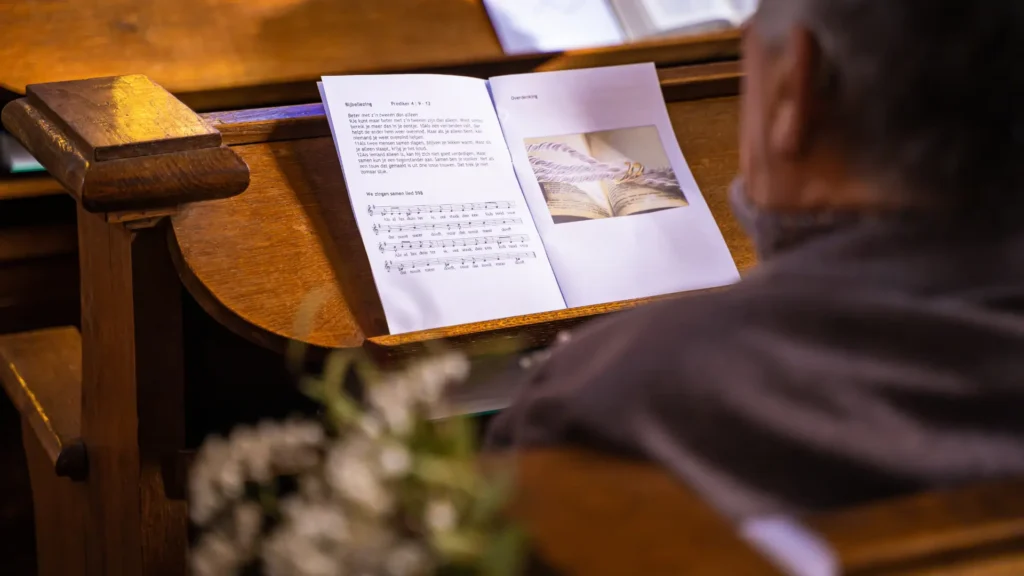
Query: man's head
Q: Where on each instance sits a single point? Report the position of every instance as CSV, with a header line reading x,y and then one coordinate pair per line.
x,y
873,105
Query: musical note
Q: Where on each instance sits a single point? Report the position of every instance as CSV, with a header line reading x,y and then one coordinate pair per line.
x,y
452,242
401,265
445,225
438,208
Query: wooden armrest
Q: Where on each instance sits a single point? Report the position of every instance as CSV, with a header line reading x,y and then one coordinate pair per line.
x,y
971,525
42,374
124,144
594,515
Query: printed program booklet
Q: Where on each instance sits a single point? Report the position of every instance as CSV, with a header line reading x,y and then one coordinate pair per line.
x,y
539,26
485,199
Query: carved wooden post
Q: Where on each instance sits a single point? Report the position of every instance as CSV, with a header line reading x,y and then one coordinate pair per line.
x,y
130,153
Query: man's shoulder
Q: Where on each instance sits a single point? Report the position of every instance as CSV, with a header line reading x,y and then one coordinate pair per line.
x,y
729,317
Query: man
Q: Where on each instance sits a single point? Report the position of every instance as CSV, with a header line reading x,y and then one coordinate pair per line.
x,y
878,350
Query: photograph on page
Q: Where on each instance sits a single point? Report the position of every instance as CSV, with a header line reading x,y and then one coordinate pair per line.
x,y
615,203
604,174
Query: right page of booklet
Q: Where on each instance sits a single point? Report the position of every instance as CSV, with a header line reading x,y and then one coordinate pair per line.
x,y
616,206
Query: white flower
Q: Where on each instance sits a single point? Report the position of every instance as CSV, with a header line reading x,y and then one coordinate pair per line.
x,y
251,449
315,521
441,516
351,471
287,554
215,555
393,404
430,377
395,460
536,358
312,487
372,538
248,517
310,541
407,559
206,497
223,467
370,426
294,446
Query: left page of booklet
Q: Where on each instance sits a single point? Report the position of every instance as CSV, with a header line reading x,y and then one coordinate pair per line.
x,y
447,231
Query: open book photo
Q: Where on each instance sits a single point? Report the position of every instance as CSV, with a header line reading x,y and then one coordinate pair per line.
x,y
604,174
538,26
486,199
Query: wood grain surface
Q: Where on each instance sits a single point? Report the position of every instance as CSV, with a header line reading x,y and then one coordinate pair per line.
x,y
124,143
132,398
30,186
235,53
593,514
59,510
41,372
976,530
254,260
29,242
122,117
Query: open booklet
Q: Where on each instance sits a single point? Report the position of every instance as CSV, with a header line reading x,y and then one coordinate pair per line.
x,y
479,200
650,18
532,26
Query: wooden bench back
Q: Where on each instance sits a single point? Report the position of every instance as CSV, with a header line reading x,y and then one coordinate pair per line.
x,y
595,515
589,515
227,54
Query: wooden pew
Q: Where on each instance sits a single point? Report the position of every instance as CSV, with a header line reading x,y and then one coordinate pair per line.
x,y
143,236
222,55
225,55
598,516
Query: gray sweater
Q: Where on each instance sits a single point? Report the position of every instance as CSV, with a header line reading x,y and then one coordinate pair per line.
x,y
882,359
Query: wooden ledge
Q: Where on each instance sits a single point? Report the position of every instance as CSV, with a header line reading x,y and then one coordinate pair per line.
x,y
29,186
42,241
42,374
596,515
593,514
123,143
297,198
928,531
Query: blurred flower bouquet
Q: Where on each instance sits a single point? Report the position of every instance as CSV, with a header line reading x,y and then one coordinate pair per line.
x,y
378,488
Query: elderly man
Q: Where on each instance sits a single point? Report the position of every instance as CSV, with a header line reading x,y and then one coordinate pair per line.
x,y
879,348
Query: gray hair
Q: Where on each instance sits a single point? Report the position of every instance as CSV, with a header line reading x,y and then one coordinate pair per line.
x,y
926,93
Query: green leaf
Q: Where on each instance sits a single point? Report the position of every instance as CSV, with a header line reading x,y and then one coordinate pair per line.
x,y
444,473
491,501
460,547
462,437
342,410
506,554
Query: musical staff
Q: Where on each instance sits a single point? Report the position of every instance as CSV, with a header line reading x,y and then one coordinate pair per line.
x,y
438,208
378,228
452,242
401,265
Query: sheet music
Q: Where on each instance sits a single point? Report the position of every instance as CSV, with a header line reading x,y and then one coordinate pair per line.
x,y
448,234
611,194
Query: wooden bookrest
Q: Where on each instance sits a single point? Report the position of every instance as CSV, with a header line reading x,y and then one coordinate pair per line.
x,y
236,55
159,197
